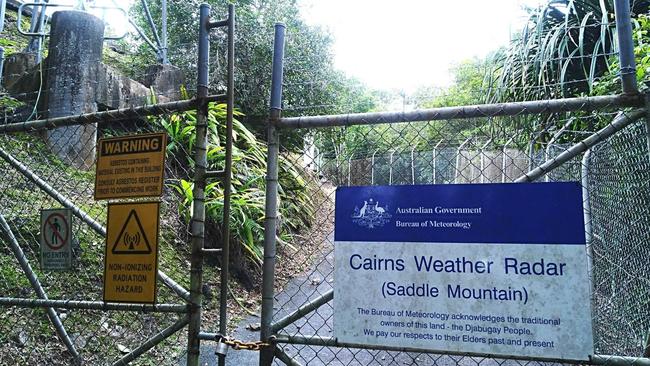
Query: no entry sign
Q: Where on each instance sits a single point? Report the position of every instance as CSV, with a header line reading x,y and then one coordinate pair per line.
x,y
56,235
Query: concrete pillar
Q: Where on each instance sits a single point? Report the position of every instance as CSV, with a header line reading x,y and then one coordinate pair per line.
x,y
75,54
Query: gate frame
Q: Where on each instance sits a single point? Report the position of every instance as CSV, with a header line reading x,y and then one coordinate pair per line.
x,y
193,298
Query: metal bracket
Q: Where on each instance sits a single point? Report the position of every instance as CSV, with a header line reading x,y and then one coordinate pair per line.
x,y
45,5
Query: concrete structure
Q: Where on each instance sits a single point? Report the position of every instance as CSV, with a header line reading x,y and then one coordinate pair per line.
x,y
75,54
165,80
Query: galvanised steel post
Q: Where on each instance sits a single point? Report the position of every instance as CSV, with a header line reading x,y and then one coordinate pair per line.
x,y
153,30
225,228
41,29
482,153
3,6
647,123
372,168
390,168
458,157
349,171
620,122
2,63
625,46
270,224
163,30
504,156
413,165
198,214
433,162
556,136
586,209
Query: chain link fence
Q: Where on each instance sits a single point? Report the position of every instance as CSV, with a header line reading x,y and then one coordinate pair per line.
x,y
618,187
618,183
36,178
46,167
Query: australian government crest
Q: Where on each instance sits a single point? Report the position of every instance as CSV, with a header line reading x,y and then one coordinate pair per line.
x,y
371,214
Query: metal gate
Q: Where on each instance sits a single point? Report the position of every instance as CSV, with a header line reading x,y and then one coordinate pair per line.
x,y
612,160
43,173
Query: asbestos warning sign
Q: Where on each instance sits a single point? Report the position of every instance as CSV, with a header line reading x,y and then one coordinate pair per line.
x,y
130,166
131,260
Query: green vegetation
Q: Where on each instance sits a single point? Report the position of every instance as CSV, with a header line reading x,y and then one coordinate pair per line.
x,y
248,184
11,40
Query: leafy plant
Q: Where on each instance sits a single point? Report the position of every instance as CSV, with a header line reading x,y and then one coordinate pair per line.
x,y
248,182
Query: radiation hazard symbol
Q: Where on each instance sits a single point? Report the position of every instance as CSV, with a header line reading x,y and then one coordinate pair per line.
x,y
132,238
131,262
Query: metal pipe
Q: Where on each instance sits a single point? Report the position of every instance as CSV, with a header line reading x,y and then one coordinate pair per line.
x,y
372,168
547,151
482,152
52,192
586,209
647,124
143,36
435,156
271,209
153,341
106,116
3,7
79,213
457,170
218,24
2,63
154,31
284,357
390,168
278,68
349,170
40,28
205,336
36,285
318,160
474,111
625,46
174,286
503,159
31,45
302,311
413,165
227,185
320,341
163,31
198,212
92,305
619,360
621,121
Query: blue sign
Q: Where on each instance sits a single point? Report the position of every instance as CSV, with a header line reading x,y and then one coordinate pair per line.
x,y
496,269
531,213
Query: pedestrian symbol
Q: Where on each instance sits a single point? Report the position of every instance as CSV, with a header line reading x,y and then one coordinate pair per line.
x,y
55,239
132,238
55,230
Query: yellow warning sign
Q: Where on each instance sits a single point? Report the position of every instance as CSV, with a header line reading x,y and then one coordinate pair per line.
x,y
131,260
130,166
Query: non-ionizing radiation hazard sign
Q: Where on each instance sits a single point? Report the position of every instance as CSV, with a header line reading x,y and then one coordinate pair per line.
x,y
131,252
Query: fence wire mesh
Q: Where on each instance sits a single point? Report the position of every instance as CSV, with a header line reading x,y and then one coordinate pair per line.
x,y
64,159
499,149
99,336
619,193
